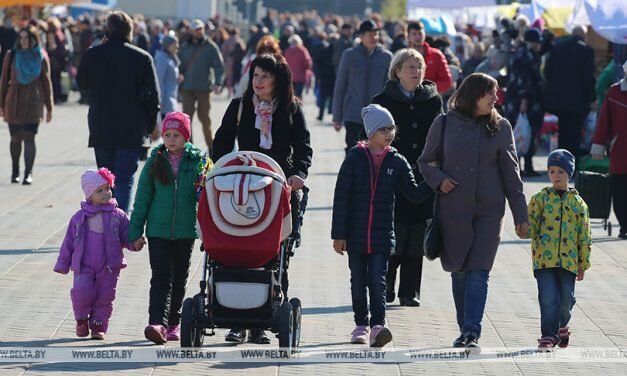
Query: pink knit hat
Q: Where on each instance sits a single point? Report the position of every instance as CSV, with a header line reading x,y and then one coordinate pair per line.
x,y
92,179
179,121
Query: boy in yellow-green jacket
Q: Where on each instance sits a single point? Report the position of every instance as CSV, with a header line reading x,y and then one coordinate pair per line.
x,y
559,226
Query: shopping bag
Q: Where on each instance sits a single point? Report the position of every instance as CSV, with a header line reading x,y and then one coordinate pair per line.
x,y
522,135
588,130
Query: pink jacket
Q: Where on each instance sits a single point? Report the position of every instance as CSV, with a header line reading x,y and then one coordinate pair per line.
x,y
299,61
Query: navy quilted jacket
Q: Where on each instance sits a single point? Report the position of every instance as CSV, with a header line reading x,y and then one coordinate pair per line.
x,y
363,204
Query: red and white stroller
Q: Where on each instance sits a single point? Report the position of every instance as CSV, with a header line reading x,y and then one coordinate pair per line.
x,y
246,225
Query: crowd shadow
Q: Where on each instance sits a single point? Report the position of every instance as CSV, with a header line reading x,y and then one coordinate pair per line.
x,y
16,252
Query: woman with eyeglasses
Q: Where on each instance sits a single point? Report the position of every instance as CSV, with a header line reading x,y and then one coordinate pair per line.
x,y
25,89
414,103
363,219
474,168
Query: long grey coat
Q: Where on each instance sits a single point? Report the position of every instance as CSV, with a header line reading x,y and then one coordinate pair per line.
x,y
486,168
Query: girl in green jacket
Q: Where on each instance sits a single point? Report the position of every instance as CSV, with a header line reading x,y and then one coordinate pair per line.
x,y
166,203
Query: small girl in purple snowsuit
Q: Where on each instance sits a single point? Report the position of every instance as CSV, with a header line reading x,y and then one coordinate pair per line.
x,y
92,248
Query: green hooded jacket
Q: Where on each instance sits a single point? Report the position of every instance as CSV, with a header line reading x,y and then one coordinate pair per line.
x,y
169,210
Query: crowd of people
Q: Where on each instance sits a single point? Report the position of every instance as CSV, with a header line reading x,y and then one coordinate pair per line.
x,y
421,114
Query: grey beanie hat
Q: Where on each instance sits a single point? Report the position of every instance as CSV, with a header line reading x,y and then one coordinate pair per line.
x,y
168,40
375,117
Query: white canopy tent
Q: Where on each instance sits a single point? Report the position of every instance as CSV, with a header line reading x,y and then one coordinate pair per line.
x,y
607,17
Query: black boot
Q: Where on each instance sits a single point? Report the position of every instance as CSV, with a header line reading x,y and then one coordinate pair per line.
x,y
15,175
28,178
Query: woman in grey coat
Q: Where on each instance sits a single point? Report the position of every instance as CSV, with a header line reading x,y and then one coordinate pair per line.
x,y
167,65
474,169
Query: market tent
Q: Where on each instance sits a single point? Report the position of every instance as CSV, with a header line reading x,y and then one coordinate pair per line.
x,y
8,3
607,17
448,3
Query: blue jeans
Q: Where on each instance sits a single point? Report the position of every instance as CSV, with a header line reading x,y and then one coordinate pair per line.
x,y
123,163
368,271
470,292
556,294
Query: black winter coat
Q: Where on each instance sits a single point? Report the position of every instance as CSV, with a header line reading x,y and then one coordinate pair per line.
x,y
569,74
363,204
123,94
413,118
291,142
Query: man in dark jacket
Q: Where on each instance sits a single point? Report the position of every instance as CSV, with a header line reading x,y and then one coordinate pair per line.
x,y
569,74
123,93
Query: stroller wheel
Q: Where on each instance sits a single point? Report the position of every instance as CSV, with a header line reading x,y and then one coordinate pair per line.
x,y
286,327
296,317
192,332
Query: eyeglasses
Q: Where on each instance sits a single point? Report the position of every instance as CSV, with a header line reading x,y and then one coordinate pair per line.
x,y
412,67
386,130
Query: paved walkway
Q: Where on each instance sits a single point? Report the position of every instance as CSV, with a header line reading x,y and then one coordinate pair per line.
x,y
36,309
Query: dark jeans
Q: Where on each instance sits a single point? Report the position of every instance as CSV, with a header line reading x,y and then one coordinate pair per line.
x,y
619,197
470,292
123,163
556,294
322,103
353,134
298,89
570,127
169,261
368,278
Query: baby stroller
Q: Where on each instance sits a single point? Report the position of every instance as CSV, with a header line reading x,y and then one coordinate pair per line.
x,y
593,184
246,225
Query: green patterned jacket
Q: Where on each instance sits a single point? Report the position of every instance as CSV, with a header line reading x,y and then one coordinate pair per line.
x,y
559,229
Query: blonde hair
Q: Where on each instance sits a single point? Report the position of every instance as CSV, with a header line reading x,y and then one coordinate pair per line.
x,y
400,57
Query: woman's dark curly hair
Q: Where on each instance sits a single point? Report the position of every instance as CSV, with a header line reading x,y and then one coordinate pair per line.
x,y
283,92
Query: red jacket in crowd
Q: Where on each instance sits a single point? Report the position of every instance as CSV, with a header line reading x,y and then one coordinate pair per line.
x,y
299,61
437,68
611,130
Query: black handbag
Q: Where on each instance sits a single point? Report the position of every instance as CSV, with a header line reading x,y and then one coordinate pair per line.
x,y
433,244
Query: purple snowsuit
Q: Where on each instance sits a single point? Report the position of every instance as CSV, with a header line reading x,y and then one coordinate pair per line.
x,y
96,257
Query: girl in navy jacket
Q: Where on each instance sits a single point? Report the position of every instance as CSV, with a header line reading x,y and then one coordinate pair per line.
x,y
363,218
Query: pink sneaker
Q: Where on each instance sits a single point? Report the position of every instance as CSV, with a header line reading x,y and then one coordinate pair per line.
x,y
173,333
360,335
97,329
82,328
380,336
564,335
156,334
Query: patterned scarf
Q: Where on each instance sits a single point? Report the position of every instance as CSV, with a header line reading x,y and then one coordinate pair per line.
x,y
28,64
263,121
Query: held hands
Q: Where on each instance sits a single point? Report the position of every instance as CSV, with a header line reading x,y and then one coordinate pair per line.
x,y
339,245
522,230
448,185
337,125
295,182
139,243
217,89
580,275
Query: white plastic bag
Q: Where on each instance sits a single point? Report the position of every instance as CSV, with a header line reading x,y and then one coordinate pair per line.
x,y
588,130
522,135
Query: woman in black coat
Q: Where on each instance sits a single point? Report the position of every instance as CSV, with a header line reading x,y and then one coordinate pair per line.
x,y
270,121
414,103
